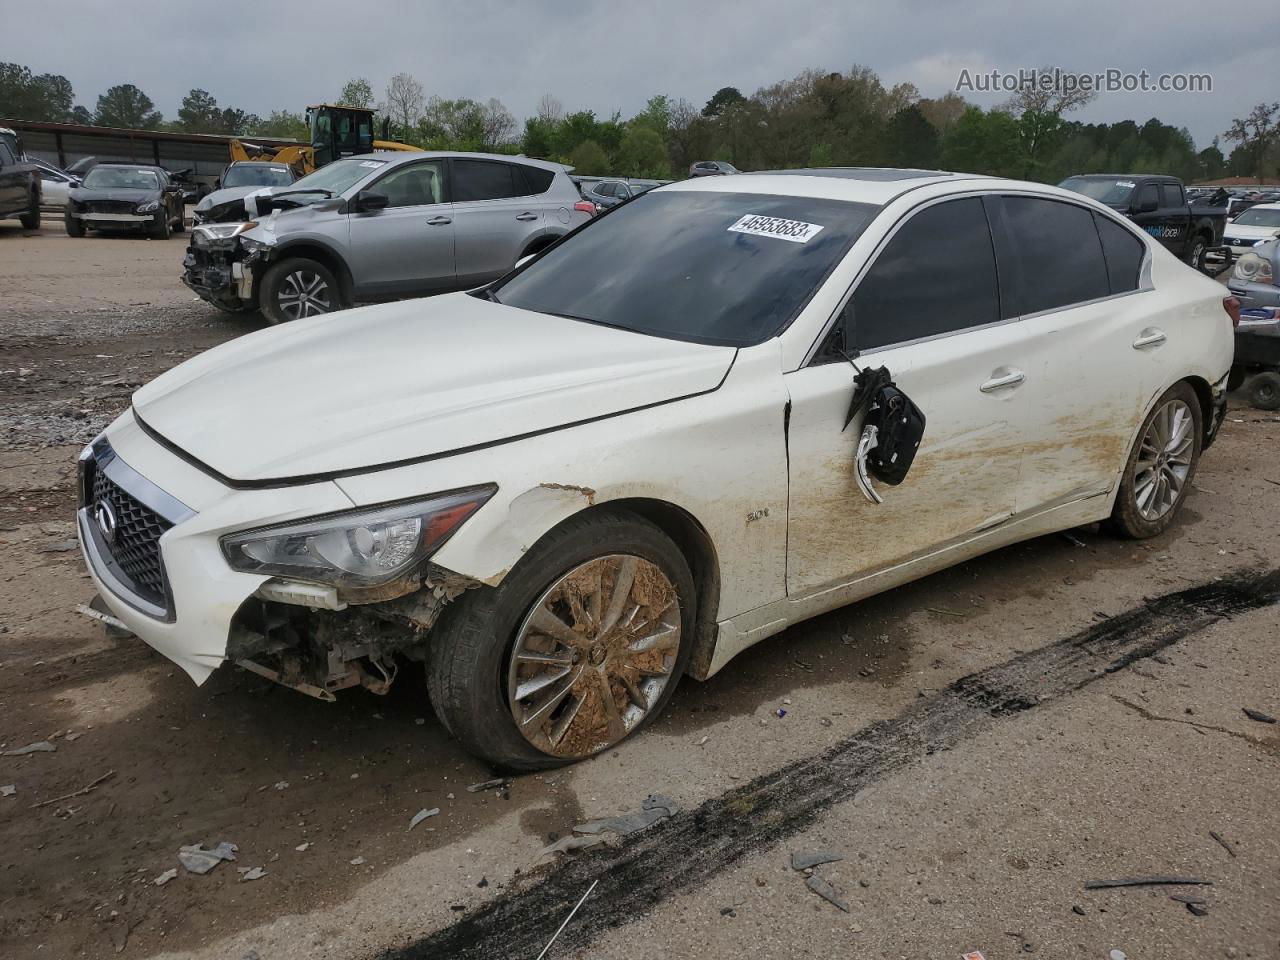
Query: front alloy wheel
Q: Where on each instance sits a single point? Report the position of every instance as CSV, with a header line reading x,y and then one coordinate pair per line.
x,y
592,656
303,293
579,647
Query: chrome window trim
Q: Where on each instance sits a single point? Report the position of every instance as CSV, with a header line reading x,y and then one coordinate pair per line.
x,y
1144,271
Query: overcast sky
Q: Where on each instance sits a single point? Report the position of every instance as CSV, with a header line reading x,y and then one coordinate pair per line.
x,y
604,56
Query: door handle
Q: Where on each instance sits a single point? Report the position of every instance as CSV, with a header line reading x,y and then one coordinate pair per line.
x,y
438,221
1150,337
527,216
1010,379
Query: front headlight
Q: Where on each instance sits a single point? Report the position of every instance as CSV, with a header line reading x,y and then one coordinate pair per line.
x,y
361,548
151,207
223,231
1252,268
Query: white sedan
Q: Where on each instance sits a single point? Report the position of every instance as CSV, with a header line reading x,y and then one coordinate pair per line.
x,y
726,406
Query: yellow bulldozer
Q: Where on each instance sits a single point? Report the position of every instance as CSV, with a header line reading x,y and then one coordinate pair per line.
x,y
336,132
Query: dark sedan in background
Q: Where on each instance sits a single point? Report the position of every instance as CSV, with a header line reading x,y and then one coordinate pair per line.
x,y
122,196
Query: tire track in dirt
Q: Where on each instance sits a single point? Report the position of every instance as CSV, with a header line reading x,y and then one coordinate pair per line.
x,y
679,854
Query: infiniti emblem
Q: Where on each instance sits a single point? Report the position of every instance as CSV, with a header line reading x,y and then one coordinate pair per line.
x,y
105,518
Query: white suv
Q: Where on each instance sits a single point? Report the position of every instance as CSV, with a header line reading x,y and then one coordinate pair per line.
x,y
670,436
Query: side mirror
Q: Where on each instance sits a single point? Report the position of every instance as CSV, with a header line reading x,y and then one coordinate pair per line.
x,y
366,201
217,184
1147,206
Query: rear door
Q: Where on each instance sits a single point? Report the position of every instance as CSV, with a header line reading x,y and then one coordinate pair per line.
x,y
406,247
1079,292
495,217
13,183
929,309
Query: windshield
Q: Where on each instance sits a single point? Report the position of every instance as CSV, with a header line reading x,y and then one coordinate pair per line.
x,y
129,178
1253,217
338,176
1114,193
726,268
255,176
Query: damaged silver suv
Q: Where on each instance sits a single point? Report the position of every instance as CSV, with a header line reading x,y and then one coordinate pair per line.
x,y
379,226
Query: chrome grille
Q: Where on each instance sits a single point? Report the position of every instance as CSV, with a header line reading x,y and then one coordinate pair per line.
x,y
135,546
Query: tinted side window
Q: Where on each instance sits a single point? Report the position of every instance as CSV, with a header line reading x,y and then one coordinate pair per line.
x,y
1148,194
5,156
937,275
539,180
1060,252
1123,252
413,186
1172,194
486,180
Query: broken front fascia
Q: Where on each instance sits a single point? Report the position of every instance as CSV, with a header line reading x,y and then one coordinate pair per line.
x,y
306,637
222,269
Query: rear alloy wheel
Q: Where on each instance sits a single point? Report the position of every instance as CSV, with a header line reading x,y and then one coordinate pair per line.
x,y
1161,465
1195,256
298,288
579,646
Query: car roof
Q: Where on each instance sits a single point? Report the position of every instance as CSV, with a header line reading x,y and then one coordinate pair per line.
x,y
875,185
257,163
1124,176
396,157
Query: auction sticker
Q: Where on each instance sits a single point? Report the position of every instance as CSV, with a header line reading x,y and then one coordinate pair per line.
x,y
797,231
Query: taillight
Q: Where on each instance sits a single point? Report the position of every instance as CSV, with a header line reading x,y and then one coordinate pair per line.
x,y
585,206
1232,306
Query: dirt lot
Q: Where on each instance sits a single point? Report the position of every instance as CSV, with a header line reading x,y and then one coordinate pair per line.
x,y
975,746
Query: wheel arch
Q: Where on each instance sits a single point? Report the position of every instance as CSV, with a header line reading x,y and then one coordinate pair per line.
x,y
324,255
538,244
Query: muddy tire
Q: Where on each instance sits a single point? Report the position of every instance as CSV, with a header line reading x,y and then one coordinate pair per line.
x,y
297,288
1161,466
493,644
31,219
1264,391
1195,253
75,227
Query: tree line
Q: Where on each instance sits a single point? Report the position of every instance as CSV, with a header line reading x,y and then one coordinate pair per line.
x,y
817,118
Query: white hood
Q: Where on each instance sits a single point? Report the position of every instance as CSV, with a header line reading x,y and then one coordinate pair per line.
x,y
1247,232
362,388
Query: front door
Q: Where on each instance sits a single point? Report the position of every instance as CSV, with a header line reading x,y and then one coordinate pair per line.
x,y
406,247
928,309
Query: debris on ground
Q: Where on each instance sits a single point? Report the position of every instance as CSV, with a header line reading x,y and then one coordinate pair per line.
x,y
40,746
165,877
1221,842
422,815
1078,910
559,930
199,860
570,843
1258,715
9,790
653,809
495,784
825,890
1198,909
1117,955
806,860
282,785
302,847
251,873
1146,882
1185,898
76,793
973,955
358,861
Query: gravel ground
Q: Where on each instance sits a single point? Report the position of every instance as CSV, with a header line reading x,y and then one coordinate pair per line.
x,y
975,746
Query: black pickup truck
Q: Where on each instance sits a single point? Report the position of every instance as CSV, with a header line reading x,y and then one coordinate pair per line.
x,y
1159,206
19,183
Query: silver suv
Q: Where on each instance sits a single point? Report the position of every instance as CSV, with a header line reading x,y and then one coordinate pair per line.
x,y
382,225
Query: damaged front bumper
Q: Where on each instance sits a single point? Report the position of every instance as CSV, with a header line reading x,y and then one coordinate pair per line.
x,y
222,271
150,527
